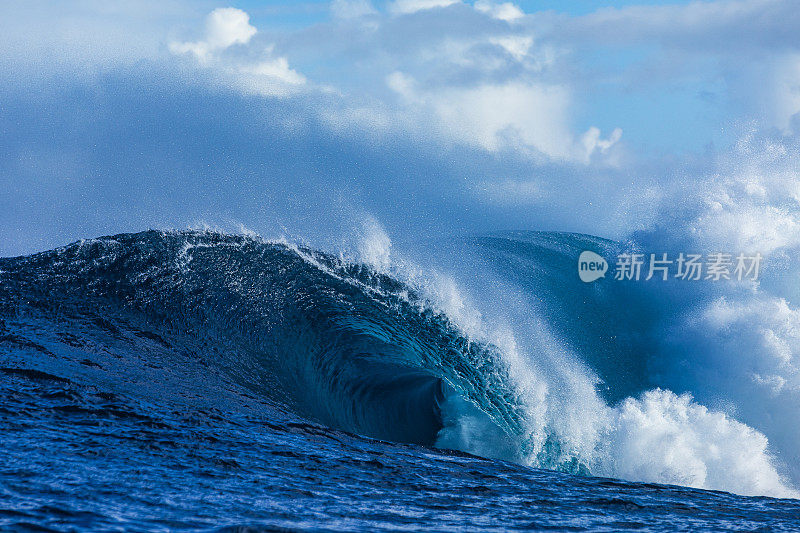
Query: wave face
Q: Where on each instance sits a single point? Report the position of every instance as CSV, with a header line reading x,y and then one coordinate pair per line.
x,y
212,323
337,343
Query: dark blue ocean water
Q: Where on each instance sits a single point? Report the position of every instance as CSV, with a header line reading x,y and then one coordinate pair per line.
x,y
166,381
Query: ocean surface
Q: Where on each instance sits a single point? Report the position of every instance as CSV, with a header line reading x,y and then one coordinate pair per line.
x,y
202,381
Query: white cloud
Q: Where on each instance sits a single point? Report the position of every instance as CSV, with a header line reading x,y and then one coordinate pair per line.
x,y
401,84
516,45
278,69
269,75
405,7
505,11
493,115
225,27
592,143
526,116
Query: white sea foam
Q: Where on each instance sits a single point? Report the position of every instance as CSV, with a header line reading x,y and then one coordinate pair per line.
x,y
666,438
734,347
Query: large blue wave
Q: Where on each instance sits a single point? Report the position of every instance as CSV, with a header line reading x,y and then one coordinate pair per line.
x,y
203,317
334,342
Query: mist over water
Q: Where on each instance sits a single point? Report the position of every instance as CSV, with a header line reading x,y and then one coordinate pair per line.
x,y
604,387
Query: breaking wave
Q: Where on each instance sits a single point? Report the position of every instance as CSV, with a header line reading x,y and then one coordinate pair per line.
x,y
543,370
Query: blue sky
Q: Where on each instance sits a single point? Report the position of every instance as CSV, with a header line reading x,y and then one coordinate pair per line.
x,y
433,116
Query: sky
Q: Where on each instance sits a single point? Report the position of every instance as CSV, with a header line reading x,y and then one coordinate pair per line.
x,y
432,116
